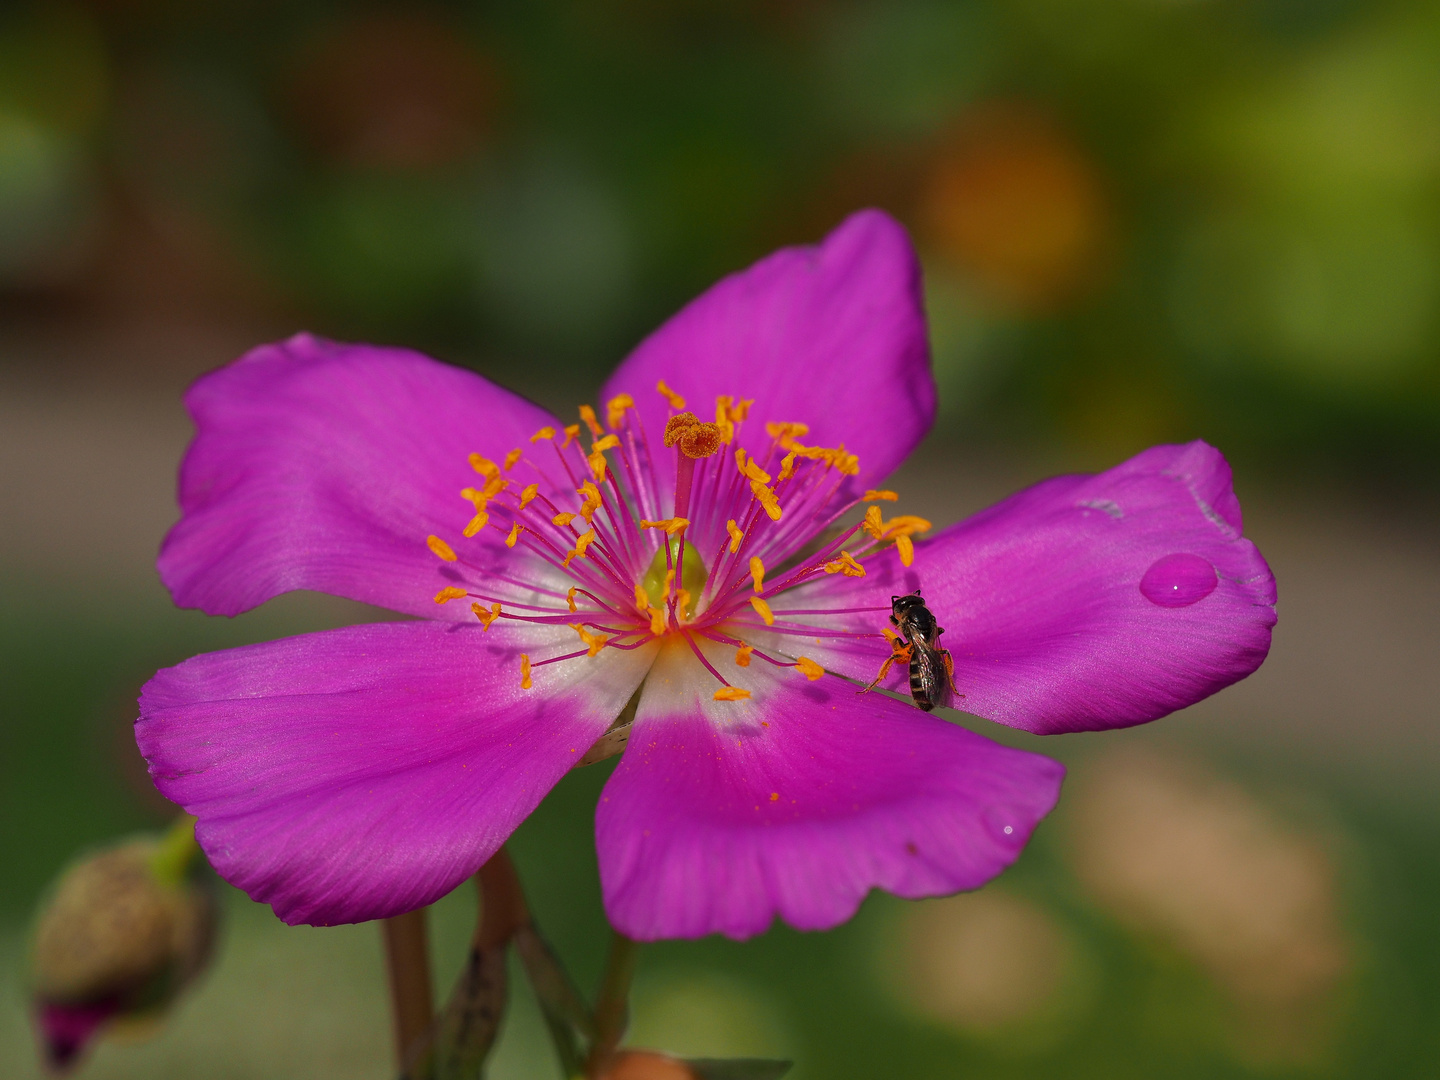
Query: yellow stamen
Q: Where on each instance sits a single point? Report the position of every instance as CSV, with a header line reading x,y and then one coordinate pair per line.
x,y
905,525
676,401
763,610
570,598
757,573
524,672
787,466
587,414
669,584
874,495
450,592
767,499
527,496
562,519
809,668
735,535
873,523
682,599
642,600
905,547
582,542
609,442
752,471
731,693
657,621
546,432
511,458
593,642
615,410
670,525
742,655
846,565
598,465
592,500
786,434
740,412
486,617
479,498
478,522
484,466
572,432
515,531
441,548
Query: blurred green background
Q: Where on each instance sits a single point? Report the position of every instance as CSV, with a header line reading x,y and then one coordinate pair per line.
x,y
1140,220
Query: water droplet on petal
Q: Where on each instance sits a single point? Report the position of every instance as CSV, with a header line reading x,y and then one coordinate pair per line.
x,y
1178,580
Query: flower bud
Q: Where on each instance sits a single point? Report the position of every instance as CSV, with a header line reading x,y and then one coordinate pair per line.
x,y
122,931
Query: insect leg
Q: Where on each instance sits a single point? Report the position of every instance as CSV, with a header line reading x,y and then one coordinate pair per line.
x,y
898,652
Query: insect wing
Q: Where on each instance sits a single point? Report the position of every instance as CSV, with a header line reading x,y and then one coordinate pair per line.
x,y
928,683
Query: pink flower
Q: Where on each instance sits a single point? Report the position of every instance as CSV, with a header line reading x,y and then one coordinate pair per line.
x,y
359,773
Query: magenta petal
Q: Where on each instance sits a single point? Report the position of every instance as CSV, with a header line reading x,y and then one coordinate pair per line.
x,y
324,466
832,336
798,802
358,773
1084,602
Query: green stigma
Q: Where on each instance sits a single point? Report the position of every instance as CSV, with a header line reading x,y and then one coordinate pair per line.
x,y
692,575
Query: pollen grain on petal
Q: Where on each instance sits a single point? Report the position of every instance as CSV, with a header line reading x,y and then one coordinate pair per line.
x,y
742,655
877,495
809,668
757,573
615,410
524,672
514,534
546,432
763,610
730,693
735,535
441,549
450,592
676,401
528,495
587,415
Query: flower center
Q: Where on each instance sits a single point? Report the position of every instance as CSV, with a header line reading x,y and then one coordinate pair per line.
x,y
741,534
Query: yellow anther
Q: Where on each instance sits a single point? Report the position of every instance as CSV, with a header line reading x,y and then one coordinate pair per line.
x,y
846,565
905,547
593,642
670,525
669,584
767,499
873,524
486,617
478,522
546,432
682,599
905,525
562,519
511,458
846,463
742,655
484,466
749,468
524,672
450,592
809,668
587,414
757,573
676,401
572,432
528,494
723,423
615,410
441,548
597,465
787,466
642,600
609,442
731,693
657,621
592,499
786,434
874,495
570,597
763,610
735,535
515,531
479,498
738,413
494,486
583,541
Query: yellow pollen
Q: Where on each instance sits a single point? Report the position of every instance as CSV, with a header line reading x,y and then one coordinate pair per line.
x,y
615,410
740,412
846,565
763,610
597,465
511,458
767,499
484,466
682,599
890,635
486,617
735,535
742,655
592,500
757,573
642,600
450,592
515,531
809,668
731,693
527,496
479,498
676,401
593,642
905,525
905,547
524,672
752,471
669,584
587,414
572,432
440,548
562,519
873,523
787,466
670,525
874,495
478,522
774,796
786,434
657,621
582,542
546,432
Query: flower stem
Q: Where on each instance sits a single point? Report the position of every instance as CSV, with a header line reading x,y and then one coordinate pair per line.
x,y
612,1009
407,958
